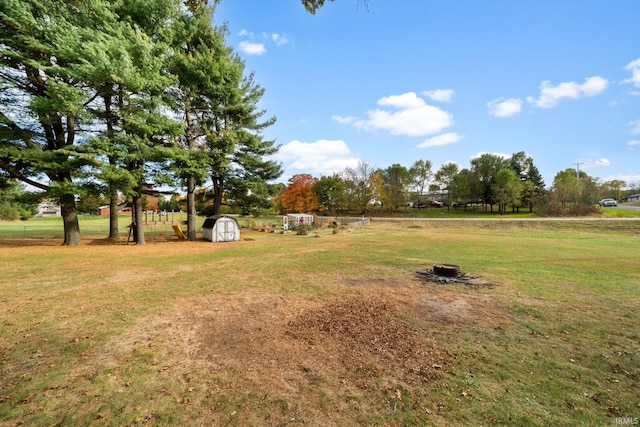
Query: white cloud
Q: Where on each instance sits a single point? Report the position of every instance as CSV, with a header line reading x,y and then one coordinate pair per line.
x,y
406,100
635,127
594,86
251,48
634,67
504,107
551,95
279,39
441,95
593,164
440,140
632,144
413,117
322,157
628,177
343,120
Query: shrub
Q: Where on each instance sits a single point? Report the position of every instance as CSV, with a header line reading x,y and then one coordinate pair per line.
x,y
583,210
8,212
302,229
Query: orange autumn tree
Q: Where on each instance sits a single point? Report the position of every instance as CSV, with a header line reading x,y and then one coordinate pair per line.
x,y
297,196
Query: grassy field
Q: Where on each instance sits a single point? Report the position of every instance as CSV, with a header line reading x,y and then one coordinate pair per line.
x,y
325,329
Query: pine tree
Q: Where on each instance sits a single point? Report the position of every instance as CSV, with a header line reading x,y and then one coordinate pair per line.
x,y
237,148
46,53
205,73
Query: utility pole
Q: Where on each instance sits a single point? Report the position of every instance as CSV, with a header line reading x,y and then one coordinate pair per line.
x,y
578,169
578,181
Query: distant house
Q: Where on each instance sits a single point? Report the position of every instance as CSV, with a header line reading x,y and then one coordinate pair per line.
x,y
48,208
631,198
106,210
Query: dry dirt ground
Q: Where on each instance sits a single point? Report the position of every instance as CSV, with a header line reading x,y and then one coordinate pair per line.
x,y
382,334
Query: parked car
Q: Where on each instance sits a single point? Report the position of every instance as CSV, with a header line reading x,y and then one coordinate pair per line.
x,y
436,204
608,202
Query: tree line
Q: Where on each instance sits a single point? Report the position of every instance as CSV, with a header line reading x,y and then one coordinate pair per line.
x,y
118,98
490,180
107,99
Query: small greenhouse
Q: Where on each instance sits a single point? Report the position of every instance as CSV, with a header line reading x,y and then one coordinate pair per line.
x,y
296,219
220,228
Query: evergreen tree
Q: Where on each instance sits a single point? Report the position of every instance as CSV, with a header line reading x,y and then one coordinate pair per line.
x,y
47,50
530,177
236,146
203,67
138,135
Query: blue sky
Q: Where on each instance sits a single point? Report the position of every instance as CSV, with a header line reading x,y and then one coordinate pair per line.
x,y
399,81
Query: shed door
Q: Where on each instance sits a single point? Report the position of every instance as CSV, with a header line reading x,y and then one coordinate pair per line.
x,y
226,231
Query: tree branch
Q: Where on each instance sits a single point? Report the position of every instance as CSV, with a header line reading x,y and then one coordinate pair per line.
x,y
17,175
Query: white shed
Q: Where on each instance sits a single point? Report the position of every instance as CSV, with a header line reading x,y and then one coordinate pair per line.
x,y
220,228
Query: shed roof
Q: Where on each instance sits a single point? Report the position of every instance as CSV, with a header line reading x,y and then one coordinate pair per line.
x,y
210,221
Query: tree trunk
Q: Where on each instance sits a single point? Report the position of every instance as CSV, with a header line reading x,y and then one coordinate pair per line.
x,y
138,226
191,208
70,220
191,181
218,187
113,214
113,191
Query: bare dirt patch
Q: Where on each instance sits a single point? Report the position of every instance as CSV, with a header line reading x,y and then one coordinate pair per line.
x,y
375,340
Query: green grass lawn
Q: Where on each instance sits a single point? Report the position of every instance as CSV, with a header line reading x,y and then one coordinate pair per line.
x,y
90,225
195,333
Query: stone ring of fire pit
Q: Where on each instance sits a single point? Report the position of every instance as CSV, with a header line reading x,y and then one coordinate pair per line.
x,y
447,270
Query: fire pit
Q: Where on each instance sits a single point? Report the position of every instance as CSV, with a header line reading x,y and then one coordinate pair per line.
x,y
450,273
447,270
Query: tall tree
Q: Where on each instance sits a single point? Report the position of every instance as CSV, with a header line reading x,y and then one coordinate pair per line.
x,y
421,176
298,195
237,148
484,169
396,180
46,53
460,186
330,192
506,189
143,141
202,65
564,185
222,125
612,189
532,183
359,186
130,71
444,176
